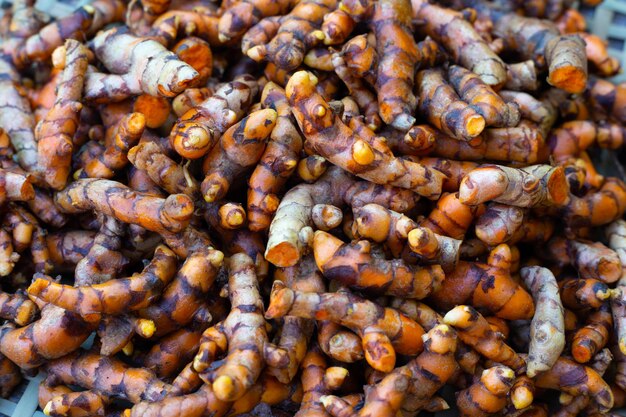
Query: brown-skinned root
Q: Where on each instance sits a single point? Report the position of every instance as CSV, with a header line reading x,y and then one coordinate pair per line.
x,y
383,330
54,133
116,332
15,186
112,157
16,117
115,378
598,55
67,248
458,36
361,57
10,376
57,333
311,168
444,109
532,109
318,379
573,137
277,163
239,148
169,355
582,293
8,258
17,308
534,186
594,335
475,331
291,230
354,266
197,53
104,261
137,65
391,24
185,294
567,63
472,89
503,297
163,170
547,329
359,91
115,199
242,335
582,403
499,223
410,388
616,235
597,207
428,247
372,161
284,40
76,404
189,99
238,18
522,143
591,259
522,76
28,233
607,97
451,217
112,297
195,22
199,129
339,343
382,225
488,395
576,379
187,381
326,217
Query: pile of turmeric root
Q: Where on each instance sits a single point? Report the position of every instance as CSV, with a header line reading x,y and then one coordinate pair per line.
x,y
319,208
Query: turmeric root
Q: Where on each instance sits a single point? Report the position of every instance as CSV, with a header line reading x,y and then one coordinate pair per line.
x,y
382,225
115,333
574,137
54,134
431,247
522,392
57,333
243,364
599,207
487,102
373,161
115,199
277,163
451,217
576,379
289,37
17,308
522,76
115,379
608,97
594,335
10,376
184,295
8,258
383,330
338,342
120,138
361,57
499,223
77,404
172,352
69,247
475,331
503,296
582,293
198,130
115,296
488,395
240,147
318,380
337,26
597,54
408,389
237,19
137,65
354,266
391,24
16,117
461,40
567,61
547,329
592,259
173,178
532,109
104,261
537,185
444,109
